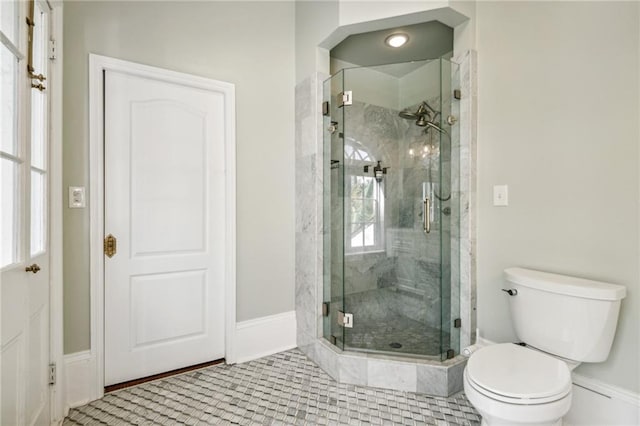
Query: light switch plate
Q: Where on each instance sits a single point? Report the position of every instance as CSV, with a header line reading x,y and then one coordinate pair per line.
x,y
77,198
500,195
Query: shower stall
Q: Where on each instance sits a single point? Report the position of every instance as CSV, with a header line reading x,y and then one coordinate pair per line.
x,y
391,209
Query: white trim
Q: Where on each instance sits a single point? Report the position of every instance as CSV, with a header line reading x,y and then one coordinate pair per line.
x,y
56,207
79,373
595,402
260,337
98,64
607,390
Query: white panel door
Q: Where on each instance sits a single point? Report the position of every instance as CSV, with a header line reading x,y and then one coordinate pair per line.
x,y
24,212
164,204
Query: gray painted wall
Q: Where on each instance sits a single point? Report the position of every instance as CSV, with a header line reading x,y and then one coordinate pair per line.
x,y
249,44
558,122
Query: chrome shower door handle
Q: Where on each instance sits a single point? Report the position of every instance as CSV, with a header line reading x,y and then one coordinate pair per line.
x,y
426,215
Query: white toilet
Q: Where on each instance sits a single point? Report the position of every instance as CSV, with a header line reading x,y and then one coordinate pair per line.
x,y
563,321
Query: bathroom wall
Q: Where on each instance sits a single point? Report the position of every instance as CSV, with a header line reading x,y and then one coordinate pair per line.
x,y
558,122
249,44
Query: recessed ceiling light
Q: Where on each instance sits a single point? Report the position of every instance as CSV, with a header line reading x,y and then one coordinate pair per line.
x,y
396,40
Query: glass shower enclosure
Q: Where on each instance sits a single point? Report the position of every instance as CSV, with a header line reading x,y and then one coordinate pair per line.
x,y
391,209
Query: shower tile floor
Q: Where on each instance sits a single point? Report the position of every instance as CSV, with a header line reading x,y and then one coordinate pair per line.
x,y
282,389
384,336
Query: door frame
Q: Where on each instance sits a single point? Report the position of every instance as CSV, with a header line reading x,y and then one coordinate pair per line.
x,y
97,65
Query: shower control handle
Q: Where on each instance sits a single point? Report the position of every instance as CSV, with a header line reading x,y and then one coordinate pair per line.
x,y
510,292
427,215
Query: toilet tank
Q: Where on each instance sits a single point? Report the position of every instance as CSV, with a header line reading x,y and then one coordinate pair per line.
x,y
570,317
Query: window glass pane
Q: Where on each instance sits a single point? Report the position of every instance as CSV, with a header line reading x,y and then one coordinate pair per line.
x,y
369,187
356,235
356,211
39,40
8,19
8,212
37,211
369,210
8,100
38,128
369,235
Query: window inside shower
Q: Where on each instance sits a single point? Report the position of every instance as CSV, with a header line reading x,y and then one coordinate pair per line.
x,y
391,209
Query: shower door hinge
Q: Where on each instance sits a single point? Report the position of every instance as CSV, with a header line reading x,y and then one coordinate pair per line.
x,y
457,323
345,319
345,98
450,353
52,374
325,309
325,108
457,94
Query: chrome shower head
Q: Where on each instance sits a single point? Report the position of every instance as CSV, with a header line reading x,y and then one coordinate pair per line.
x,y
408,115
423,115
422,121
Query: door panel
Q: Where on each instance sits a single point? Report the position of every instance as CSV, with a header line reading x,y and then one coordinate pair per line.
x,y
173,184
152,296
12,385
164,202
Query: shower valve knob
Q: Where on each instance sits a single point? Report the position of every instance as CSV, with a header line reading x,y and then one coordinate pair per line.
x,y
510,292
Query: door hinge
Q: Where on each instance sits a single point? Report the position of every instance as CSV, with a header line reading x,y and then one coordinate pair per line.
x,y
110,245
345,319
52,50
325,309
457,94
325,108
457,323
52,374
345,98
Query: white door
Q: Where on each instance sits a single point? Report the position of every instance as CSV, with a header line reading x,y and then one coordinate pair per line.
x,y
24,254
164,204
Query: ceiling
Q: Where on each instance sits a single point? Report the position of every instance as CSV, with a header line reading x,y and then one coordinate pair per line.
x,y
428,40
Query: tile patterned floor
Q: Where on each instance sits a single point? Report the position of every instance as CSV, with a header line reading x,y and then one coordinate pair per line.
x,y
282,389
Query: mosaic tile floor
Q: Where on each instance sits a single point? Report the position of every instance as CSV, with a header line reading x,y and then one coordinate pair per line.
x,y
282,389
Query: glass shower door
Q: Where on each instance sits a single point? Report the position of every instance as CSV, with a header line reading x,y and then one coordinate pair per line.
x,y
391,211
333,207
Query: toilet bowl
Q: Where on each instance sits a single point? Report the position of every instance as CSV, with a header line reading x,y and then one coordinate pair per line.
x,y
513,385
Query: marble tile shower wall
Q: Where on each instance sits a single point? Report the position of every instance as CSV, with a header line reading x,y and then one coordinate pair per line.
x,y
308,186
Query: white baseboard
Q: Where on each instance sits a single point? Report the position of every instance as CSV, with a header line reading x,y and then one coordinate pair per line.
x,y
265,336
79,379
597,403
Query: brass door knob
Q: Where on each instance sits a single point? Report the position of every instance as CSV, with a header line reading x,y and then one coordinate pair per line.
x,y
33,268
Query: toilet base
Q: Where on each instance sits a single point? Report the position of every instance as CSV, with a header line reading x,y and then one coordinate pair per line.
x,y
557,423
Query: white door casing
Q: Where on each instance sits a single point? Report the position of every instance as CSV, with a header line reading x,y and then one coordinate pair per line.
x,y
178,227
164,202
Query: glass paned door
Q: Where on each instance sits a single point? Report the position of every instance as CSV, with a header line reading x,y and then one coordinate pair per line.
x,y
24,259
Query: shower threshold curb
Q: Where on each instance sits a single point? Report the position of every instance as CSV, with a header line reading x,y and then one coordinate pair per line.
x,y
403,373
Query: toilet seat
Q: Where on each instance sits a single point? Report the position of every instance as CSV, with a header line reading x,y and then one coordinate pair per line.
x,y
516,375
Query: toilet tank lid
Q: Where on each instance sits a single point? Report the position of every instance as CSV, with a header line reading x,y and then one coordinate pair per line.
x,y
563,284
